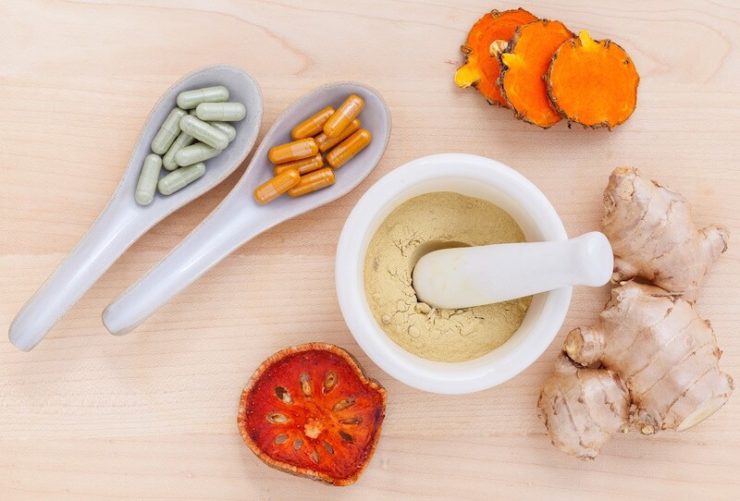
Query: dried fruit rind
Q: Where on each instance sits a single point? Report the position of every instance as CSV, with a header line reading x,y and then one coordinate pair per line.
x,y
310,410
525,63
593,83
482,67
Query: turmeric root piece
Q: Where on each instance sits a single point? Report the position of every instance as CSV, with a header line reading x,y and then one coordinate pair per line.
x,y
525,63
593,83
487,38
582,408
656,346
654,237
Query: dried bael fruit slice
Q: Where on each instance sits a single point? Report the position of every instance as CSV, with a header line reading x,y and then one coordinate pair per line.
x,y
487,38
593,83
525,63
311,411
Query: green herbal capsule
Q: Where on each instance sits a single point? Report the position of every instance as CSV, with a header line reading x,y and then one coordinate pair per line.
x,y
221,112
204,132
195,153
147,185
191,98
180,178
182,140
168,132
227,129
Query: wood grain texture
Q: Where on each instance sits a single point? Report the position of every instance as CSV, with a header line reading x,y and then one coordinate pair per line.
x,y
152,415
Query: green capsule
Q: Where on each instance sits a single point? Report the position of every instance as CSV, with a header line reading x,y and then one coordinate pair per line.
x,y
227,129
195,153
221,112
191,98
182,141
180,178
204,132
168,132
147,185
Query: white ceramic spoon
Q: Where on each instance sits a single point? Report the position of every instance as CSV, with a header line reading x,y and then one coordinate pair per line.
x,y
239,218
472,276
123,221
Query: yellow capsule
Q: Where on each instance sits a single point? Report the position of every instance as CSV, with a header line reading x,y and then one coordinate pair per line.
x,y
349,110
296,150
303,166
349,148
314,181
276,186
326,143
312,125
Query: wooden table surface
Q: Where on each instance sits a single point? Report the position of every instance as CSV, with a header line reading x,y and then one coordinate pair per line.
x,y
152,414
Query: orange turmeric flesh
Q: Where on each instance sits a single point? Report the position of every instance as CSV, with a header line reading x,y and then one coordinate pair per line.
x,y
525,64
481,68
593,83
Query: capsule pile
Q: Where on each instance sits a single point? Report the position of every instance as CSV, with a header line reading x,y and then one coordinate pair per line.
x,y
186,140
321,144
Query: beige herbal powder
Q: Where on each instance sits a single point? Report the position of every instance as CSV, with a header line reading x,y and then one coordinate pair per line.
x,y
420,225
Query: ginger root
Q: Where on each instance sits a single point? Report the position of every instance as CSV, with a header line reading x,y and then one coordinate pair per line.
x,y
582,408
650,362
653,236
651,343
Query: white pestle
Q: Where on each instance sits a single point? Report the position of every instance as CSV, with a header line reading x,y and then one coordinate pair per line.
x,y
471,276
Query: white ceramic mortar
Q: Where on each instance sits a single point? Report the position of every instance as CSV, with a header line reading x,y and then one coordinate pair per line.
x,y
472,176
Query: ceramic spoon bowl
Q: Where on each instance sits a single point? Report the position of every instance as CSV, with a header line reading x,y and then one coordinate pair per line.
x,y
239,218
123,221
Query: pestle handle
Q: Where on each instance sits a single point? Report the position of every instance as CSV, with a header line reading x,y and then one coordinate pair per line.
x,y
472,276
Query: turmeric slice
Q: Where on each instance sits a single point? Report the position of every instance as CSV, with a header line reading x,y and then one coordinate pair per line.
x,y
593,83
487,38
525,63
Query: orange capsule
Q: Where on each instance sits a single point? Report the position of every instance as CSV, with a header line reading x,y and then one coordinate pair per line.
x,y
276,186
296,150
326,143
349,148
302,166
314,181
351,107
312,125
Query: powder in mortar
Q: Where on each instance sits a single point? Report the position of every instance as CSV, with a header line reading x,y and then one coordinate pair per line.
x,y
420,225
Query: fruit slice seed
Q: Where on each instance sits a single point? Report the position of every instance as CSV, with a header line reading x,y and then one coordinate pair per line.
x,y
283,394
330,381
305,384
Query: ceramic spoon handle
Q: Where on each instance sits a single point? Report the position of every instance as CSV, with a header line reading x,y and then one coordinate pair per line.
x,y
226,229
105,241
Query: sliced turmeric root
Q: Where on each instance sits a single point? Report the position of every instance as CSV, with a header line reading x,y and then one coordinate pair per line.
x,y
593,83
525,63
487,38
